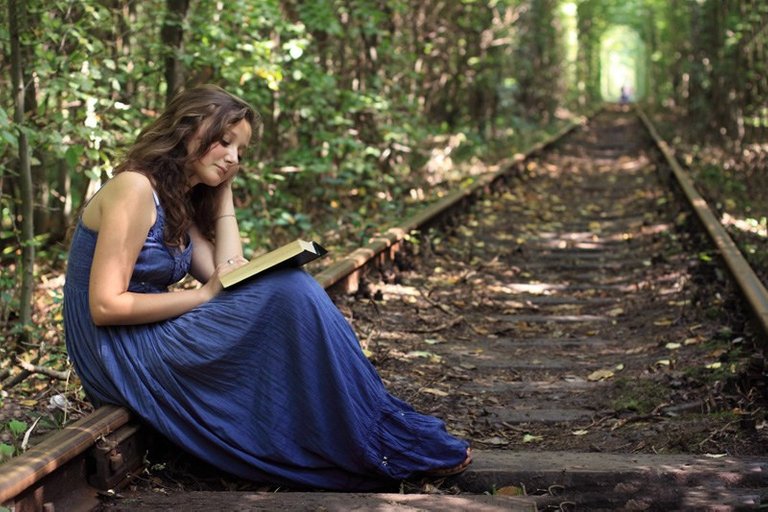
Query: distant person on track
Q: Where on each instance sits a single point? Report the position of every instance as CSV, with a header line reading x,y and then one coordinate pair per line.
x,y
265,380
623,95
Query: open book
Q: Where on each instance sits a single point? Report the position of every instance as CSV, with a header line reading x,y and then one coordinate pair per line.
x,y
293,254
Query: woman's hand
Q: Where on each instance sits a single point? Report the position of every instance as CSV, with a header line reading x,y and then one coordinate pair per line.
x,y
213,286
231,264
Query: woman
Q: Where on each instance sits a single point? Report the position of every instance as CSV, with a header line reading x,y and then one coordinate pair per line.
x,y
265,380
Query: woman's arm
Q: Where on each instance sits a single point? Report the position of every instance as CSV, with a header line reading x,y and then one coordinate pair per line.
x,y
228,243
124,212
227,252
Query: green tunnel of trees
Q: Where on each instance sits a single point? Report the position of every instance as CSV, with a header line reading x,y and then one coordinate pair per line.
x,y
356,96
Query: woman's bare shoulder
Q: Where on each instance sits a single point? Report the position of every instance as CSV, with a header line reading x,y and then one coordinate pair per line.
x,y
131,181
127,187
127,190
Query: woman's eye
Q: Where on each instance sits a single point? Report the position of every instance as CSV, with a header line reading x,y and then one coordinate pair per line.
x,y
225,142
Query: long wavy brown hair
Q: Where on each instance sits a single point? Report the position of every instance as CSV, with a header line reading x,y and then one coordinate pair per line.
x,y
160,153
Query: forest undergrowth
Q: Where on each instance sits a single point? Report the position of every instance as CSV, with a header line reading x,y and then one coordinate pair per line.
x,y
732,178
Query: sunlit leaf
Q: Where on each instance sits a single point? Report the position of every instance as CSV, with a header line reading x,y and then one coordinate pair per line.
x,y
6,451
433,391
17,427
495,441
599,375
510,490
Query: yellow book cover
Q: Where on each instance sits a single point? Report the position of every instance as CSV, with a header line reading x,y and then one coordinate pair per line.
x,y
293,254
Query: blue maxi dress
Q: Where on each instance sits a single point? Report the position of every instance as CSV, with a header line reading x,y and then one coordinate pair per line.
x,y
267,381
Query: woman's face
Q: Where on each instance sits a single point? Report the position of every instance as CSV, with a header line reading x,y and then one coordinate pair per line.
x,y
222,160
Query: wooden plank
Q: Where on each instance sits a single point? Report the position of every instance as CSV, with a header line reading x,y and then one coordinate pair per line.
x,y
325,501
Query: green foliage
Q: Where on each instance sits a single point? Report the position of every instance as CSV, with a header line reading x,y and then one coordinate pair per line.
x,y
354,95
6,451
16,429
641,396
712,176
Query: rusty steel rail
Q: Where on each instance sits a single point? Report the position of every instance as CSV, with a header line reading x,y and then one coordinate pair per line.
x,y
101,446
749,284
22,479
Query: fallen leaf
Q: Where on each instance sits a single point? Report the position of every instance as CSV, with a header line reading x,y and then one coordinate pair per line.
x,y
423,353
530,438
510,490
509,196
496,441
465,231
433,391
672,346
598,375
580,432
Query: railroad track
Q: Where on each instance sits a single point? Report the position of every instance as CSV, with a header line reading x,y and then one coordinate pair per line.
x,y
568,321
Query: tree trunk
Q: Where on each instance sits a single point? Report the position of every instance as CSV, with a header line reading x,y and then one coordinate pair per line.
x,y
172,35
25,173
